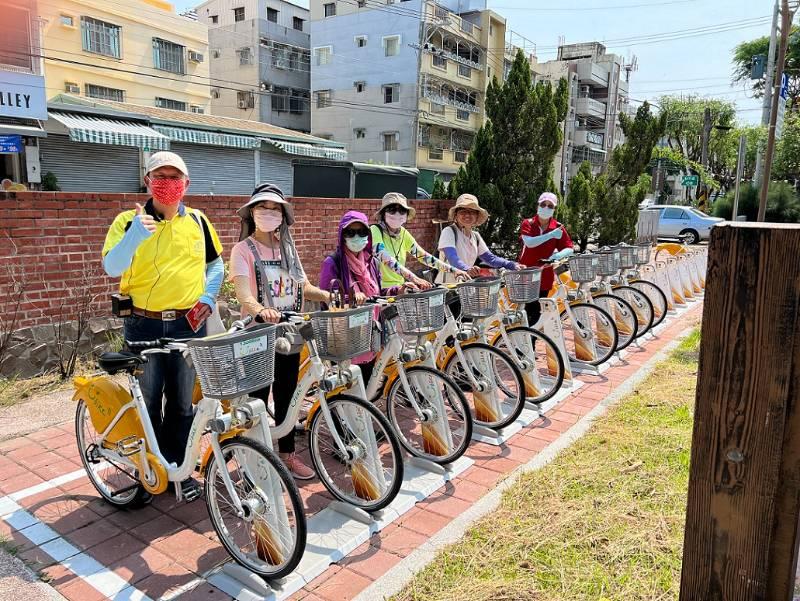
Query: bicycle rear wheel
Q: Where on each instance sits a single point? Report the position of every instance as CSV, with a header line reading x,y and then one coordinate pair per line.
x,y
592,339
645,313
269,538
540,346
442,434
657,298
624,318
502,395
116,482
361,478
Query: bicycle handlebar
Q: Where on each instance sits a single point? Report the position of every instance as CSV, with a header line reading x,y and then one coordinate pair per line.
x,y
159,343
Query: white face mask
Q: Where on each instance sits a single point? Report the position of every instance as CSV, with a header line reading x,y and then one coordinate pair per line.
x,y
395,220
357,243
545,212
269,220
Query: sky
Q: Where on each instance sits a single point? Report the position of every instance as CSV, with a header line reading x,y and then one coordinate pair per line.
x,y
690,64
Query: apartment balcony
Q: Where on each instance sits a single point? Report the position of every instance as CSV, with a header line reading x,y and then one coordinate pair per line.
x,y
592,73
590,138
441,91
589,107
597,158
443,18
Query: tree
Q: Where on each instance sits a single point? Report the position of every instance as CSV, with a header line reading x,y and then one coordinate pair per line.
x,y
743,59
787,152
511,160
439,189
620,209
579,211
642,133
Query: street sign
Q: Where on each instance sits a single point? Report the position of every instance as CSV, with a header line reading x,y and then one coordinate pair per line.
x,y
10,144
782,106
690,181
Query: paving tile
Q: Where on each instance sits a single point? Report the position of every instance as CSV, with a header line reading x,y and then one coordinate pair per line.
x,y
483,476
501,465
129,519
21,481
66,515
519,453
94,534
468,490
168,578
141,565
342,586
79,590
36,559
57,575
448,506
547,434
529,442
204,592
402,541
116,548
372,563
157,528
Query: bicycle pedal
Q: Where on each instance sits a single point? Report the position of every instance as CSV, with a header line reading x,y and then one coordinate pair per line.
x,y
128,446
192,494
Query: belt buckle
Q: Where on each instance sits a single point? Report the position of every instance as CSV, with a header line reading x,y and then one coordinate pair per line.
x,y
169,316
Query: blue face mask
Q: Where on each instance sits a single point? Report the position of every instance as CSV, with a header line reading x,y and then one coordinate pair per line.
x,y
546,212
357,243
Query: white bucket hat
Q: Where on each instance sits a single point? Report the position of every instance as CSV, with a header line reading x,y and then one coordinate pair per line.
x,y
468,201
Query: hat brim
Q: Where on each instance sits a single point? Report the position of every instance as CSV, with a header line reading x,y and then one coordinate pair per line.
x,y
288,210
378,215
484,214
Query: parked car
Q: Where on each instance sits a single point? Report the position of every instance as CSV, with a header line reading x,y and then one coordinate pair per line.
x,y
423,194
648,202
677,221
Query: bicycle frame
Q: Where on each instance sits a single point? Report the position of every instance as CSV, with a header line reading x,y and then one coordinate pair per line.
x,y
585,348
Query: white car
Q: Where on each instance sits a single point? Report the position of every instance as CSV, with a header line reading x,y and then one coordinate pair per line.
x,y
677,221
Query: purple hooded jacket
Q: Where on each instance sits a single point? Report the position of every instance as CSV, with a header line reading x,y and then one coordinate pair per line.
x,y
334,267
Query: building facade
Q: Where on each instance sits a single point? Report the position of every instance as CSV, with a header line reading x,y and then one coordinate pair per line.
x,y
260,61
23,101
403,84
137,51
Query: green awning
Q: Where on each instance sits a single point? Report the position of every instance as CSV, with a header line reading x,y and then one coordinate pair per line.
x,y
308,150
96,130
212,138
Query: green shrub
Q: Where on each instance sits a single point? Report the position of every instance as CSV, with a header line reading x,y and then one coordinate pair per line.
x,y
783,203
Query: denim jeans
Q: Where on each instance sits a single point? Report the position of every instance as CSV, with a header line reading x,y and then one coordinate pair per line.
x,y
167,383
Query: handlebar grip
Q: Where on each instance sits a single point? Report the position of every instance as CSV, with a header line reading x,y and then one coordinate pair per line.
x,y
147,344
287,315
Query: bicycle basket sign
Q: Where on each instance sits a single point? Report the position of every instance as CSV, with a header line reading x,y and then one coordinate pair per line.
x,y
495,288
359,319
246,348
437,300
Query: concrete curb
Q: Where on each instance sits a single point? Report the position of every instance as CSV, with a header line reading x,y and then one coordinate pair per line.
x,y
397,577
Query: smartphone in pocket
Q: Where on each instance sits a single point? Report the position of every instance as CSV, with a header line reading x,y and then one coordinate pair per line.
x,y
193,319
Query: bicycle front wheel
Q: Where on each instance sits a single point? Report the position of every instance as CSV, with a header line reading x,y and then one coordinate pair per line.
x,y
269,537
624,318
369,474
500,396
657,298
532,347
641,304
591,337
443,430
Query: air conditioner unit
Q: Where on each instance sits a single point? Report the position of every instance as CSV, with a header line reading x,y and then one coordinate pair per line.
x,y
199,110
195,57
72,88
242,104
281,63
266,87
214,93
585,90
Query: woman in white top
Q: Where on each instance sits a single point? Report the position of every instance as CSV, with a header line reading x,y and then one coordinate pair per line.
x,y
461,246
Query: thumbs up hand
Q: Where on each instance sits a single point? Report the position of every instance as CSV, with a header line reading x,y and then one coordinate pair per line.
x,y
146,220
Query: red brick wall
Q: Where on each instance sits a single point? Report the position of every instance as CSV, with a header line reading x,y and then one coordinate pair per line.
x,y
49,239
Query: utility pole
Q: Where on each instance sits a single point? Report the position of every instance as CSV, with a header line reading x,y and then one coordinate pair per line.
x,y
786,31
769,82
707,125
739,169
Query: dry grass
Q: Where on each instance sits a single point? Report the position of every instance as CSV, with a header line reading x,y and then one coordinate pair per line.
x,y
604,521
19,390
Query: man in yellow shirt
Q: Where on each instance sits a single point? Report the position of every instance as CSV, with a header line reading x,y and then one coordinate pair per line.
x,y
168,258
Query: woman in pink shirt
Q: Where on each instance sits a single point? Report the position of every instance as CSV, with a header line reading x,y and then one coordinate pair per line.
x,y
268,278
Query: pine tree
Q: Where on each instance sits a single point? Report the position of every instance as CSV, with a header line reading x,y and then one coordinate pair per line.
x,y
439,189
579,211
642,133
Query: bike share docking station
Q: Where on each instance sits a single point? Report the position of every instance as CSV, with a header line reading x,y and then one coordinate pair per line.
x,y
336,531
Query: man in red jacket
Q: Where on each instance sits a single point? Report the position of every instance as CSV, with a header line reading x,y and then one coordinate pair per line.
x,y
543,238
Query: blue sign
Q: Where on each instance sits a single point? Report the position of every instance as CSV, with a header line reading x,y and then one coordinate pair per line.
x,y
10,144
785,86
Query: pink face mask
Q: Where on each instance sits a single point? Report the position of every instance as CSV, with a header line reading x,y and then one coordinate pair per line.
x,y
167,191
395,220
268,220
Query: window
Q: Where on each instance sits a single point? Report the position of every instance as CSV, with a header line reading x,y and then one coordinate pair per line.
x,y
197,109
391,45
323,98
67,21
322,55
70,87
15,34
103,93
298,102
359,133
390,141
360,86
297,23
272,15
168,103
101,37
330,9
464,70
462,115
281,56
435,154
439,62
215,53
238,14
391,93
214,19
362,3
361,41
436,108
460,156
245,56
489,73
280,99
245,100
215,93
168,56
674,213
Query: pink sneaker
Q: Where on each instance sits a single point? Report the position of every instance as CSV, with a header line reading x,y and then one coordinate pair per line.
x,y
296,467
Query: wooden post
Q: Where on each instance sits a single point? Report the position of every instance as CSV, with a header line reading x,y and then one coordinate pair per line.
x,y
744,487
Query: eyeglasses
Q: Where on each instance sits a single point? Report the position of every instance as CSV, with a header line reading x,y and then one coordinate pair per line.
x,y
351,233
548,205
396,209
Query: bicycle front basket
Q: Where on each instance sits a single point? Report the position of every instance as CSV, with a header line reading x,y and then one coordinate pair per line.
x,y
643,254
479,297
608,262
628,256
342,335
583,268
421,312
234,364
523,286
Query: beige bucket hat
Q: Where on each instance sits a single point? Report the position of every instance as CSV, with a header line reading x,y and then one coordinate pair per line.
x,y
468,201
395,198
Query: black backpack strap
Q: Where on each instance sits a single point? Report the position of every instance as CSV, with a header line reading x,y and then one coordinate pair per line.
x,y
261,276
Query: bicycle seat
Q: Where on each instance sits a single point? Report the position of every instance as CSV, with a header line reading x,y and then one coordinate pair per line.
x,y
116,362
